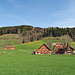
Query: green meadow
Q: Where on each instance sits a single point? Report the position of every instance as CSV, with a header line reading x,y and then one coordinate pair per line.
x,y
20,62
9,39
29,47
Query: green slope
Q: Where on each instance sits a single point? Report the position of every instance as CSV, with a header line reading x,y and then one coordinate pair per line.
x,y
29,47
9,39
19,62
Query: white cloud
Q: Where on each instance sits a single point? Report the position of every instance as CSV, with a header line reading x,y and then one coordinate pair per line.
x,y
13,20
66,16
21,19
70,22
16,3
2,25
19,3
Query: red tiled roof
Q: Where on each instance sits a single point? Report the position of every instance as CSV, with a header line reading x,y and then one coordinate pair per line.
x,y
60,46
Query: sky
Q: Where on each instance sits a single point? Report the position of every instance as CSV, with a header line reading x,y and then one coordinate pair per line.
x,y
37,13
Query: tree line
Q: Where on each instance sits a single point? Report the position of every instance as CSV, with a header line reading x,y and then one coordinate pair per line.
x,y
30,33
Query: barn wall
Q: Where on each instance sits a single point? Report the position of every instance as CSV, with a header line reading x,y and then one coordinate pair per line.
x,y
43,50
9,48
55,50
69,51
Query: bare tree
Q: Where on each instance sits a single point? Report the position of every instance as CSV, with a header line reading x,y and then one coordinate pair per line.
x,y
49,44
66,39
35,36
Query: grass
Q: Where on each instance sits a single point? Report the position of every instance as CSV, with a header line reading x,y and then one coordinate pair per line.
x,y
8,36
9,39
73,44
19,62
29,47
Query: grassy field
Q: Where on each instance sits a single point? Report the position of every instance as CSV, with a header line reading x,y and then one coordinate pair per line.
x,y
19,62
9,39
29,47
73,44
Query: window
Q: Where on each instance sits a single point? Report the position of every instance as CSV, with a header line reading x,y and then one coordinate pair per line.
x,y
69,49
47,50
44,51
40,50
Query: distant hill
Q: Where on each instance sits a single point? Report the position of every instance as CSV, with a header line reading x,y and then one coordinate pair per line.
x,y
30,46
30,33
10,39
14,39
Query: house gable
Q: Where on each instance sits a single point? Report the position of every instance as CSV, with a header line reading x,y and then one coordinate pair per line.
x,y
55,48
58,49
43,50
69,50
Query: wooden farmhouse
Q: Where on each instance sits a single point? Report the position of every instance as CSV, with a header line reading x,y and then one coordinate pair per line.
x,y
42,50
62,49
68,49
58,49
9,48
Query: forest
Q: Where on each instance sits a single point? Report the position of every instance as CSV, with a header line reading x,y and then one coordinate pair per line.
x,y
30,33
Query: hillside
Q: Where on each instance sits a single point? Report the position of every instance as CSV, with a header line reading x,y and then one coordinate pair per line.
x,y
9,39
31,33
6,39
30,46
19,62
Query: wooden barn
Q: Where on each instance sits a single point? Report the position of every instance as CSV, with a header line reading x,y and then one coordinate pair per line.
x,y
68,49
9,48
62,49
58,49
42,50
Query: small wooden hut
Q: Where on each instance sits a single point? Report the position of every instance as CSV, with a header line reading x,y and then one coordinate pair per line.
x,y
9,48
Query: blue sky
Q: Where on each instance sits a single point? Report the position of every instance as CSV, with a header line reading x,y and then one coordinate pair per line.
x,y
38,13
